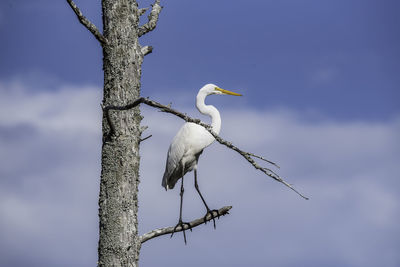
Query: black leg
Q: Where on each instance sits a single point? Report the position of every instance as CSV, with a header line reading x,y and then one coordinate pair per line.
x,y
211,212
181,194
181,223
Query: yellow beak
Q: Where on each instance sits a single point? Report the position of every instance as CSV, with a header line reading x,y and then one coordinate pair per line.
x,y
226,91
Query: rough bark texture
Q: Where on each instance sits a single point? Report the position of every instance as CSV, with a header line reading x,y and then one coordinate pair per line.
x,y
119,244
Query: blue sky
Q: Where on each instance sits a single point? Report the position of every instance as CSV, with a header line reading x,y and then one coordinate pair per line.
x,y
320,83
337,57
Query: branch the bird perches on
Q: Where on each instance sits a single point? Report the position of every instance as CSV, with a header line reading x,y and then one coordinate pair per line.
x,y
169,230
247,155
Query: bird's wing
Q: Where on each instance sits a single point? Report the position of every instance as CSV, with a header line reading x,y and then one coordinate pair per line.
x,y
175,154
187,145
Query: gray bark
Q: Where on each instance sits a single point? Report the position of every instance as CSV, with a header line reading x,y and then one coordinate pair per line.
x,y
119,244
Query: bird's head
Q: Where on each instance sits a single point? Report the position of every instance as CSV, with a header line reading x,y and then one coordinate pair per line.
x,y
212,89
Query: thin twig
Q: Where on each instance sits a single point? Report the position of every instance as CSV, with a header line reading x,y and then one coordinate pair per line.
x,y
85,22
266,160
247,155
269,170
147,137
169,230
152,19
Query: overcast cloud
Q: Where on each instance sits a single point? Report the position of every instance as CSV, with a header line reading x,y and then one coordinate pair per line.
x,y
50,150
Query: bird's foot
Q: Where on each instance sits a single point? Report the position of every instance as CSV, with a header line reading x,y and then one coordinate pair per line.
x,y
184,226
213,216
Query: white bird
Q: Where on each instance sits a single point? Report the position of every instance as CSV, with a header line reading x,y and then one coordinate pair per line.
x,y
188,144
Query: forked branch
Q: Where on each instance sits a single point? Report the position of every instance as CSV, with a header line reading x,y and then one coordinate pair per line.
x,y
85,22
247,155
169,230
152,19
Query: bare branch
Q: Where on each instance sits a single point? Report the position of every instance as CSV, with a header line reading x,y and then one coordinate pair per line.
x,y
247,155
169,230
146,50
147,137
85,22
152,19
266,160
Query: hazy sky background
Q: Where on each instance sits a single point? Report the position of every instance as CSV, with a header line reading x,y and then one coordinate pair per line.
x,y
321,97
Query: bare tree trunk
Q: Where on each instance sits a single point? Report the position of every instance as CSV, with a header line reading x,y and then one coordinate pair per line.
x,y
119,244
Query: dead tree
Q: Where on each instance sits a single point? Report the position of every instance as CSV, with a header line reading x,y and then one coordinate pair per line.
x,y
119,242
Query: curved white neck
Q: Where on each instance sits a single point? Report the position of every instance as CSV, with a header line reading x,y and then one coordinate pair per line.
x,y
210,111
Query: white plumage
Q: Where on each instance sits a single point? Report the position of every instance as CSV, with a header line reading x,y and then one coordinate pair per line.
x,y
191,139
184,152
188,144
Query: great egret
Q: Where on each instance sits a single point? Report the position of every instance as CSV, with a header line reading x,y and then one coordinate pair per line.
x,y
188,144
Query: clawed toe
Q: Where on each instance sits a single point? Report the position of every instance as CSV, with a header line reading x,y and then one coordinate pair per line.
x,y
211,212
182,225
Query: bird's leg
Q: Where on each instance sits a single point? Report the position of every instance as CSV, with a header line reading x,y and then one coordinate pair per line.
x,y
180,222
181,194
211,212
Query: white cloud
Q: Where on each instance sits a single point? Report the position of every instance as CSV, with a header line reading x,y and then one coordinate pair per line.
x,y
50,147
66,109
50,172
